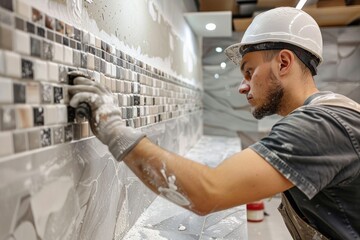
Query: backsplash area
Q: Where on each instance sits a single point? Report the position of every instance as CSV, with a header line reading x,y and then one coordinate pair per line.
x,y
57,181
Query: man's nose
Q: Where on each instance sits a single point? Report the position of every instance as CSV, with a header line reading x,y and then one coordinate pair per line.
x,y
244,87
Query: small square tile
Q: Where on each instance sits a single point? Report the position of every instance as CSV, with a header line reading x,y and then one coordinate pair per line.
x,y
69,31
6,17
63,74
45,137
85,129
33,92
27,69
49,22
40,31
58,38
60,26
66,41
83,60
7,118
58,135
77,34
73,44
53,71
38,113
40,70
58,53
30,27
20,143
37,16
50,114
22,42
76,58
58,94
97,64
68,133
70,114
85,37
66,98
23,9
91,39
68,55
7,4
34,139
47,50
7,146
76,131
6,39
19,92
46,93
35,47
78,46
19,23
24,116
50,35
6,86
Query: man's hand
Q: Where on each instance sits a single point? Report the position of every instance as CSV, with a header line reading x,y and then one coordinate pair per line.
x,y
105,119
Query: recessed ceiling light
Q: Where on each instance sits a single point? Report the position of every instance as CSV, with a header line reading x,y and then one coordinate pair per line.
x,y
218,49
223,65
210,26
216,75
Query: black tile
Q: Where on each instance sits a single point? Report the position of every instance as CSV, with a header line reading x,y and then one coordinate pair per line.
x,y
98,52
41,31
66,41
30,27
35,47
78,46
19,93
58,94
136,100
7,4
45,137
38,116
27,69
19,24
92,50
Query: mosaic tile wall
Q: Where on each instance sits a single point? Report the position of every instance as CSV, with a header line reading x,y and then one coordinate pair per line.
x,y
36,53
57,181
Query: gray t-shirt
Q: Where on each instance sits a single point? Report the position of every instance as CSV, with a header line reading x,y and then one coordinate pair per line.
x,y
317,148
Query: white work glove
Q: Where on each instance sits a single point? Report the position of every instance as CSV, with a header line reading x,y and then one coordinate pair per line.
x,y
105,120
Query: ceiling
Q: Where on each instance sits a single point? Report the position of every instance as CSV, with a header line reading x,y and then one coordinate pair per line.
x,y
327,13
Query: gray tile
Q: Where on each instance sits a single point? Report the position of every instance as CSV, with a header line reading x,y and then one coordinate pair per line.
x,y
47,50
68,133
47,93
20,139
19,92
45,137
27,69
58,135
7,4
19,23
7,118
34,139
30,27
35,47
6,17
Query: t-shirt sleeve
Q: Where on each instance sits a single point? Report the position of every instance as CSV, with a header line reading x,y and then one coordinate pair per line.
x,y
307,147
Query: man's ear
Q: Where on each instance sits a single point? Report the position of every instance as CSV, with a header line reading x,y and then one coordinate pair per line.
x,y
286,59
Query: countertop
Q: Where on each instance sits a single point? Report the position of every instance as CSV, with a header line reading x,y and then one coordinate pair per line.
x,y
165,220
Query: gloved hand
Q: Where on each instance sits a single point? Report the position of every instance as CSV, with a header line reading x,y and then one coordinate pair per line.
x,y
105,120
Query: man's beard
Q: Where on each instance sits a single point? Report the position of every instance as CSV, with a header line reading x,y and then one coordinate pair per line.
x,y
273,99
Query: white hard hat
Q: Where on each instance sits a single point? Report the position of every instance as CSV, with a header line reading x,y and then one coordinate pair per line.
x,y
285,25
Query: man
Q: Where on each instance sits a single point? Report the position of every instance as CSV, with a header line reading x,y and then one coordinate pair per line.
x,y
312,155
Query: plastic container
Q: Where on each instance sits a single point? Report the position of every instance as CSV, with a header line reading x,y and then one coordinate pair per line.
x,y
255,211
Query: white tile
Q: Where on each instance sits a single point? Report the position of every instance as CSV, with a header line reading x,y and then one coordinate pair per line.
x,y
97,42
50,114
113,85
58,53
23,9
102,79
6,90
68,55
22,42
96,77
113,70
91,39
108,83
108,69
53,72
7,146
40,70
12,64
61,112
90,61
86,37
